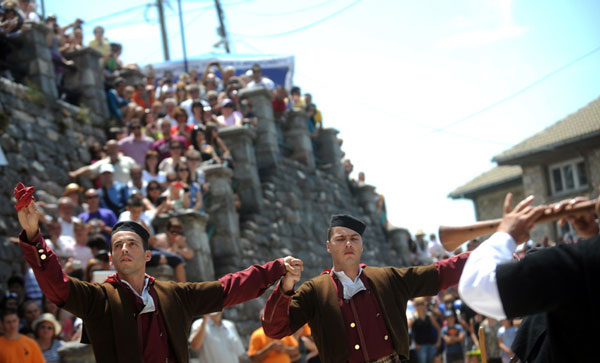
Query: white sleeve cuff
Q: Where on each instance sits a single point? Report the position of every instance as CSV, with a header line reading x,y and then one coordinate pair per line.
x,y
477,286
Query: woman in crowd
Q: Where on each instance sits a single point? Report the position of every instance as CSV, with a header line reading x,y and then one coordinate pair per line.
x,y
192,197
180,92
155,203
151,171
150,125
182,128
47,329
176,150
64,318
424,328
212,138
197,116
199,143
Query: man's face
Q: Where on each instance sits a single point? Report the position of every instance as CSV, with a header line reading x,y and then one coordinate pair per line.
x,y
174,231
11,324
31,312
106,179
128,255
65,209
345,246
92,199
169,108
136,129
256,74
136,174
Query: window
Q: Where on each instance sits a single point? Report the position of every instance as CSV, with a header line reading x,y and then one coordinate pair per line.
x,y
568,176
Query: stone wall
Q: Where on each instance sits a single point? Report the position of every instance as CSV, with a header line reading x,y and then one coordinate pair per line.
x,y
286,196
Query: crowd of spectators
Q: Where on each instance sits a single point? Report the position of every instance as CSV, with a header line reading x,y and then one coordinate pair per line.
x,y
163,131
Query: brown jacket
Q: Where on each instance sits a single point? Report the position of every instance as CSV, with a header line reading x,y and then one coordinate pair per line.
x,y
111,325
316,302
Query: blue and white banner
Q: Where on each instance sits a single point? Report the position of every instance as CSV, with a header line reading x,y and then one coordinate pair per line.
x,y
280,69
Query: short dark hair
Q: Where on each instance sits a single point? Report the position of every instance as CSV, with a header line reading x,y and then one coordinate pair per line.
x,y
15,280
134,202
8,312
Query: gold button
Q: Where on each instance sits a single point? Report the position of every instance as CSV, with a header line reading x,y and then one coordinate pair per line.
x,y
385,337
43,256
41,250
377,315
357,347
352,325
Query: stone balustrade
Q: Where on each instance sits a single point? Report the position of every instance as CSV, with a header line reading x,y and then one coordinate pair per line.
x,y
329,153
34,58
267,145
366,198
200,267
240,142
223,220
297,136
86,80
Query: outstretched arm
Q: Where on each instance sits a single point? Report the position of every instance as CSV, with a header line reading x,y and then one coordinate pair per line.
x,y
478,286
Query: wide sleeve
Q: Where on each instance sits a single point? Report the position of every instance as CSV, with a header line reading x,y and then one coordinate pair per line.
x,y
544,280
241,286
450,269
415,281
477,286
284,313
53,282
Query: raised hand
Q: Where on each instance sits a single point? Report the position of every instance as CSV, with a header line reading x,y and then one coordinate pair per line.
x,y
519,221
294,267
29,218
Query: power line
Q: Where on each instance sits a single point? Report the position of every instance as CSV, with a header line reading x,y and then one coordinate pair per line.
x,y
302,27
517,93
117,13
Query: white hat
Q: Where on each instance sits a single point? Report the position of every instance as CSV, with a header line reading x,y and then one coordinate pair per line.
x,y
49,318
107,168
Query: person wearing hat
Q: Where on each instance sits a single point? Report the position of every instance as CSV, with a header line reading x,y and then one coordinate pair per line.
x,y
357,313
132,317
121,164
47,329
73,191
229,116
113,195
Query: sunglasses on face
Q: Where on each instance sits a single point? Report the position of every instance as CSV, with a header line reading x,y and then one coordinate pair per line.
x,y
91,196
153,188
184,170
175,231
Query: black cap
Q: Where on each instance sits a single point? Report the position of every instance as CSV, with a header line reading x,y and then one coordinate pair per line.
x,y
344,220
132,227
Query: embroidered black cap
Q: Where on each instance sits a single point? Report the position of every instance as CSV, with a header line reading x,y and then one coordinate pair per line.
x,y
344,220
134,227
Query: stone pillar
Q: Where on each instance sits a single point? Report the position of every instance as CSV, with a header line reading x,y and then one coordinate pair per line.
x,y
132,76
75,352
86,80
240,142
366,198
34,58
267,146
329,152
200,267
225,238
297,136
398,238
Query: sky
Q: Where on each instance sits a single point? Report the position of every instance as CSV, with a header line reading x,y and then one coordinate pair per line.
x,y
424,93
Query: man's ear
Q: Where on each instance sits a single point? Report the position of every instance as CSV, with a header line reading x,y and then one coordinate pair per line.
x,y
328,250
148,255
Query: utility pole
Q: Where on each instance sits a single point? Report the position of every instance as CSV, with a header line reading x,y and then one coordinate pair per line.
x,y
222,31
163,29
185,62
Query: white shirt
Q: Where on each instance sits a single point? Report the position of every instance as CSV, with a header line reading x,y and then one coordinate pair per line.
x,y
351,287
146,297
264,81
221,342
478,287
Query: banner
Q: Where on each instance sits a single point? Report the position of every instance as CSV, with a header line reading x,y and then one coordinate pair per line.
x,y
280,69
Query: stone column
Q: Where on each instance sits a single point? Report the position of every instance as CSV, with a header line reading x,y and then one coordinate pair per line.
x,y
398,238
132,76
86,80
267,146
329,152
33,57
297,136
240,142
225,238
366,198
200,267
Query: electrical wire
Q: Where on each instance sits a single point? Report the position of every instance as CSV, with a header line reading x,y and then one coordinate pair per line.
x,y
302,27
517,93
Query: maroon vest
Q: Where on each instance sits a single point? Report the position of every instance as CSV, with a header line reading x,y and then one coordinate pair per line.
x,y
368,337
151,328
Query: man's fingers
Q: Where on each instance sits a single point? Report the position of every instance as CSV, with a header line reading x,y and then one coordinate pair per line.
x,y
508,203
524,203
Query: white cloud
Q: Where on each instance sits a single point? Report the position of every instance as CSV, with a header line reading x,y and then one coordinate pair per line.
x,y
487,25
